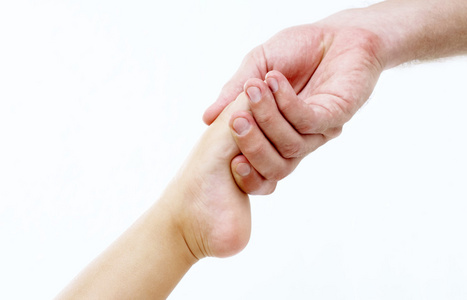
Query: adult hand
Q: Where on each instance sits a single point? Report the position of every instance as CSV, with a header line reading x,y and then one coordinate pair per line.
x,y
324,72
332,67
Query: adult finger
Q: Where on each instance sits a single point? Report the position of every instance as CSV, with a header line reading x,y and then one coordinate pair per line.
x,y
285,138
258,150
318,114
248,179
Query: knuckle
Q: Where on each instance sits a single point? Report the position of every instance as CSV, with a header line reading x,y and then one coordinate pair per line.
x,y
314,142
251,55
269,188
253,149
276,174
338,132
291,150
306,127
250,189
255,57
286,107
335,132
264,118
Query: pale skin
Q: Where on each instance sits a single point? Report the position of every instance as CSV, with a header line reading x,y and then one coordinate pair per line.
x,y
308,81
201,213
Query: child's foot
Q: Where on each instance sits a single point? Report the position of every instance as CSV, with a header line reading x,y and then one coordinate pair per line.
x,y
214,214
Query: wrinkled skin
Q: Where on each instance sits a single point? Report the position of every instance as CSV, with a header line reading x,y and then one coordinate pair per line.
x,y
325,73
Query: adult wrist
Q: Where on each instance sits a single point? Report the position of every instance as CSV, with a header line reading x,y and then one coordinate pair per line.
x,y
399,25
374,23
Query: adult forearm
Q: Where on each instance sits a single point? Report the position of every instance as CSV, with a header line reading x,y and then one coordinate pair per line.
x,y
410,30
422,29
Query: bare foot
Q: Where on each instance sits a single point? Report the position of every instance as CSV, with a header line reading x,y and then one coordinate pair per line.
x,y
213,213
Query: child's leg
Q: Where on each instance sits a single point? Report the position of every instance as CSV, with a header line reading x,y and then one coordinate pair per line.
x,y
201,213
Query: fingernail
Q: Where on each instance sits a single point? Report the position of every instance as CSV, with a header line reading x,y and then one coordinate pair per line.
x,y
273,84
243,169
254,93
241,126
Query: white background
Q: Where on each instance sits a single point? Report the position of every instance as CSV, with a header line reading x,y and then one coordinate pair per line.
x,y
100,102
